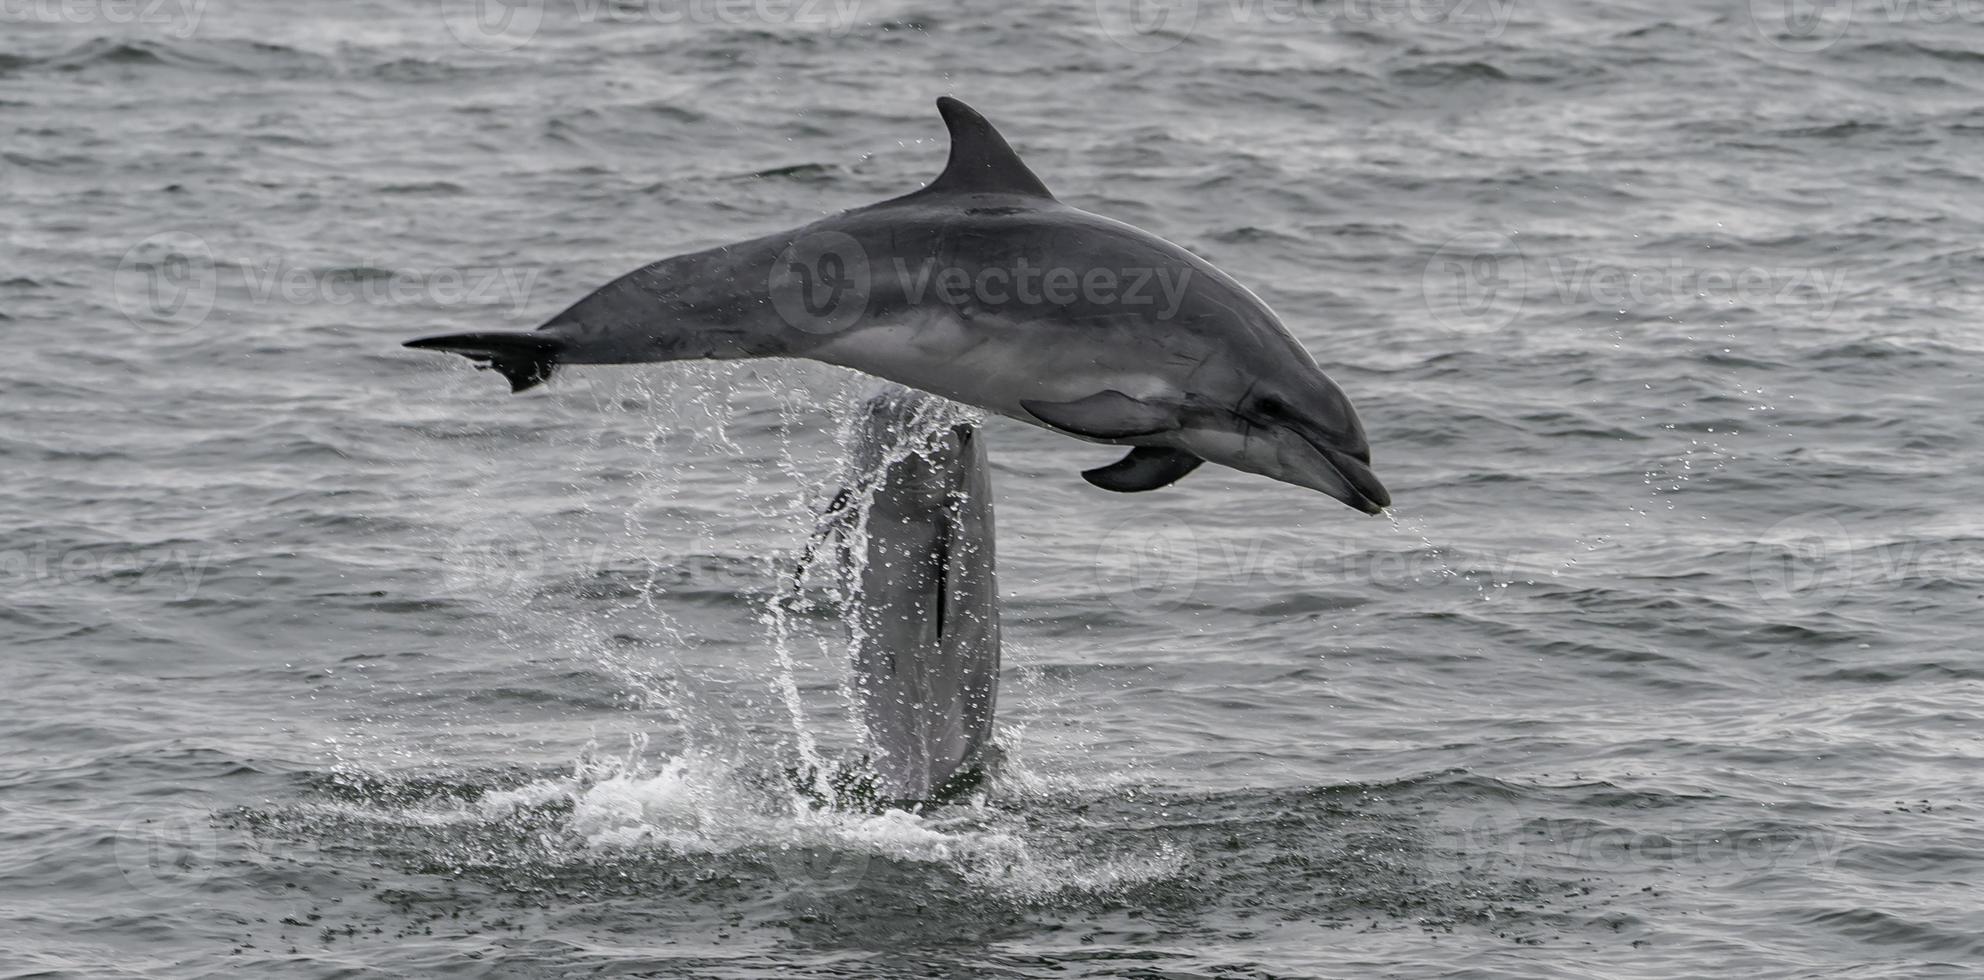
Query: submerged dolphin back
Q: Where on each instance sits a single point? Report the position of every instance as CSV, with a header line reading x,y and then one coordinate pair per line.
x,y
925,651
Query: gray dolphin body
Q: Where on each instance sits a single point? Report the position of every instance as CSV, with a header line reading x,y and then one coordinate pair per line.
x,y
926,603
983,288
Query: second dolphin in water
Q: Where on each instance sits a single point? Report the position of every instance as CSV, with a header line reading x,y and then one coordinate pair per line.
x,y
925,596
983,288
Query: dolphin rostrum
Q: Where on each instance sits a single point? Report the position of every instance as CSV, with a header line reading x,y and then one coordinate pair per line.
x,y
983,288
925,596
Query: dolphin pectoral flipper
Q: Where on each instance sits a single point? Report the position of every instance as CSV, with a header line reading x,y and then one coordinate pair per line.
x,y
1107,414
1145,468
526,359
834,521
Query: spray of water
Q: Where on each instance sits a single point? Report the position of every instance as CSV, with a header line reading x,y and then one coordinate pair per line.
x,y
718,790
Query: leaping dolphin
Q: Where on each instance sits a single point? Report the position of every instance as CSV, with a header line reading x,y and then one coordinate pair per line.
x,y
983,288
925,616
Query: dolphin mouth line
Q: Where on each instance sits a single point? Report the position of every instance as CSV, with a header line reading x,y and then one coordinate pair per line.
x,y
1371,497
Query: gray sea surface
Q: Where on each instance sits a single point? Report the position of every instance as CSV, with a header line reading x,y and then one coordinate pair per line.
x,y
324,658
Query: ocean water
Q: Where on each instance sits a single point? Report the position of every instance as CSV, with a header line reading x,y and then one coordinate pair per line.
x,y
325,658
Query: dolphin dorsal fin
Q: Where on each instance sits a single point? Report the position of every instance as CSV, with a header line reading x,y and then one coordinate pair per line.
x,y
981,161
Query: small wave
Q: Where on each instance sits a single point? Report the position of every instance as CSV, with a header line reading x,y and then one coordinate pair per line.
x,y
1449,73
801,172
62,164
104,51
1664,32
1883,928
437,188
1863,349
1249,234
413,70
1895,673
1915,51
230,56
1840,130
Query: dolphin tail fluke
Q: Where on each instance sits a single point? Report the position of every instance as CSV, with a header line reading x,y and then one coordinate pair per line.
x,y
527,359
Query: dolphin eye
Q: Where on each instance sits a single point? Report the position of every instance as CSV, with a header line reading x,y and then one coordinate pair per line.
x,y
1269,408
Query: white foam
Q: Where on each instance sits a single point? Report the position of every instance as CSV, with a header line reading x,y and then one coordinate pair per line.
x,y
700,805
